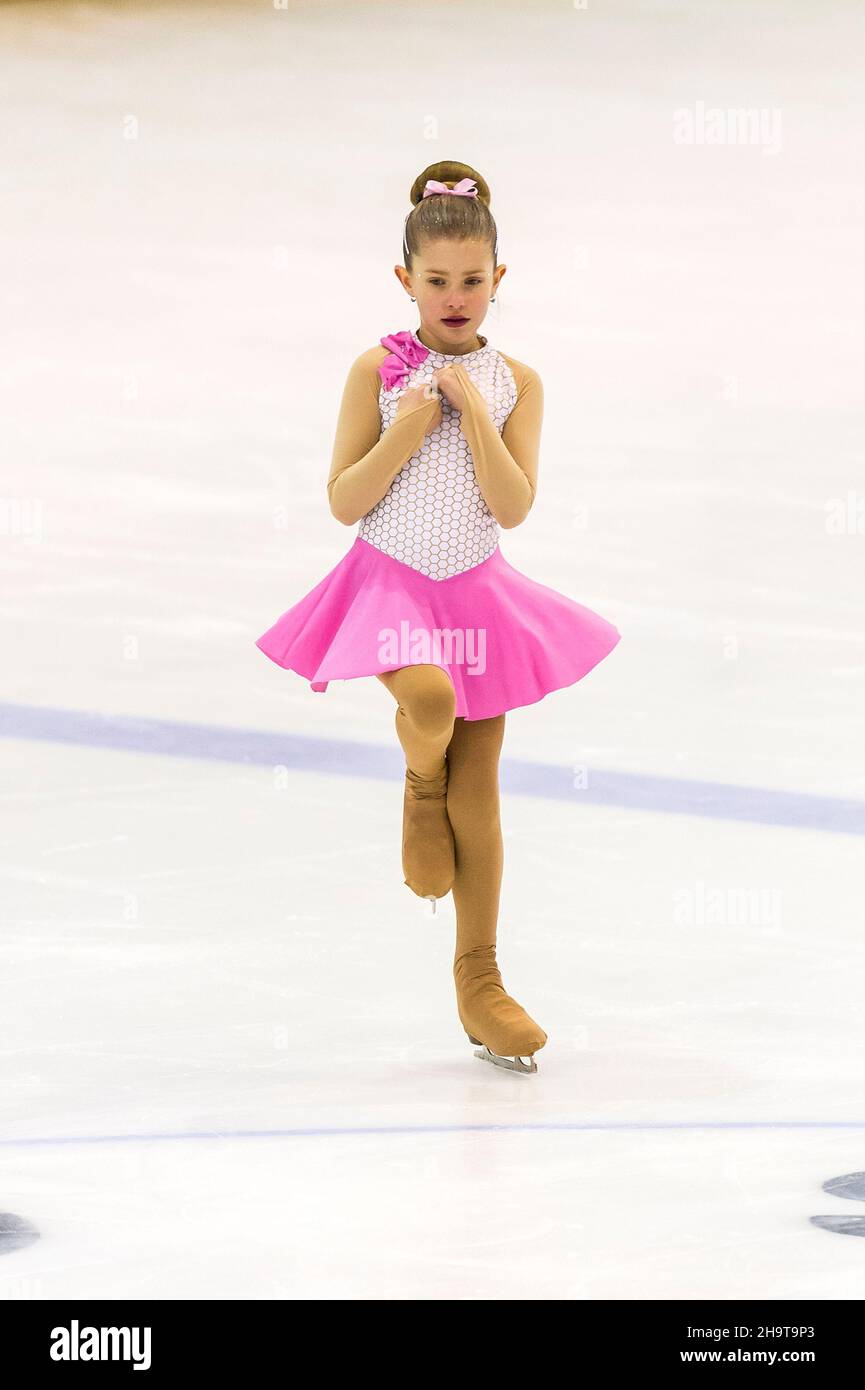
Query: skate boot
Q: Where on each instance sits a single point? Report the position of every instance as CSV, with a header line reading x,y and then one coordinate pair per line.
x,y
427,837
490,1017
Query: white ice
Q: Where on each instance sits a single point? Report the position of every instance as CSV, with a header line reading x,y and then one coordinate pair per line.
x,y
203,210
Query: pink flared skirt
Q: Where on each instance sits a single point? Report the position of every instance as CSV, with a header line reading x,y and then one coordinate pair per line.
x,y
505,640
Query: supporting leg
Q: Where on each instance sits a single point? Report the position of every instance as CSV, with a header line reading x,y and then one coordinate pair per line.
x,y
488,1014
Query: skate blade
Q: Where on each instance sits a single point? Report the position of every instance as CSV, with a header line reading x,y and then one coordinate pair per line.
x,y
508,1063
430,899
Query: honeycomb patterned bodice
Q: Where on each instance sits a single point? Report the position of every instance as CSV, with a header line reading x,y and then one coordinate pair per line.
x,y
433,516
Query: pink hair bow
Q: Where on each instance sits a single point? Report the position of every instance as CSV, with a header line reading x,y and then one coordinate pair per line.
x,y
466,188
406,353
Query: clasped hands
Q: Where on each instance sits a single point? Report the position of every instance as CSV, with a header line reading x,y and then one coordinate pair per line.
x,y
447,383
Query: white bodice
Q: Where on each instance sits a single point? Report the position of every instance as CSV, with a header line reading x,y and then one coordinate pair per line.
x,y
433,516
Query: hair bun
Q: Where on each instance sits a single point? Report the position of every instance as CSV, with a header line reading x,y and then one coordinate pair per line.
x,y
457,219
449,171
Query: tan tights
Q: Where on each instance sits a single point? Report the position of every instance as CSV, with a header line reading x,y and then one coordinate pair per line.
x,y
427,729
435,742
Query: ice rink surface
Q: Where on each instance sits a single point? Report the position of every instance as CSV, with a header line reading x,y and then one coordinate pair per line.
x,y
231,1060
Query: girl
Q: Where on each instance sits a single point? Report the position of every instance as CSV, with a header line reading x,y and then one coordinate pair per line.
x,y
436,449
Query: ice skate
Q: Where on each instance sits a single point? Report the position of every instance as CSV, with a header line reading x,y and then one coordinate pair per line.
x,y
509,1063
495,1022
427,837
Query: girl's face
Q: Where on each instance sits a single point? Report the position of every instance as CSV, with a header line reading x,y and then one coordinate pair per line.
x,y
453,283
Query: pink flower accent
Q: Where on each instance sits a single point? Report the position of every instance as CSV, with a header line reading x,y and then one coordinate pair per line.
x,y
406,353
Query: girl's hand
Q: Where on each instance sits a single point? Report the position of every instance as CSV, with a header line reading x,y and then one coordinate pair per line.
x,y
446,379
417,396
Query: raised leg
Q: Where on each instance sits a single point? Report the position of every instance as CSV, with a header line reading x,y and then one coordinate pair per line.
x,y
424,716
424,724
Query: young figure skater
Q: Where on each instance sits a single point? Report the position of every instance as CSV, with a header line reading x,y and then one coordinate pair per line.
x,y
437,449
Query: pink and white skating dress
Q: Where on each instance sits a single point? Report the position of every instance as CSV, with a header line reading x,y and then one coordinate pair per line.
x,y
425,580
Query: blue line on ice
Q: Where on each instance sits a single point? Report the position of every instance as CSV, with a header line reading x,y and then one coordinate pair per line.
x,y
343,758
336,1132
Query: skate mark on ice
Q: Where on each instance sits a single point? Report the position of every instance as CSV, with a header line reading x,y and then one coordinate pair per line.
x,y
15,1232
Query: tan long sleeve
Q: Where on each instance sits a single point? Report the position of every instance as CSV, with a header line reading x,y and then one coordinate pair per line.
x,y
365,460
506,464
